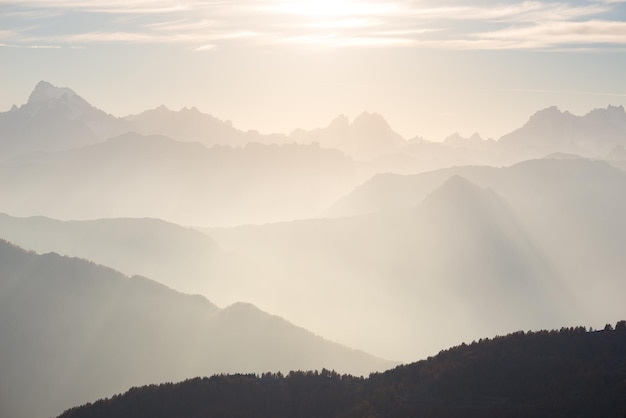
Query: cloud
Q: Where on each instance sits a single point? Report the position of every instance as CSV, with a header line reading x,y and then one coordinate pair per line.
x,y
554,34
142,37
207,47
527,11
6,34
100,6
579,92
327,23
184,24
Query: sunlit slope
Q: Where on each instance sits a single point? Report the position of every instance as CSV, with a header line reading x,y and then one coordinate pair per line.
x,y
572,207
455,266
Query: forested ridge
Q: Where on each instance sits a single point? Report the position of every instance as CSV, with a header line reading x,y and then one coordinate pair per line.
x,y
571,372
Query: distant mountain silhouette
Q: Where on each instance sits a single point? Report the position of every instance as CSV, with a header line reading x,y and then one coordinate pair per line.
x,y
475,141
154,176
570,208
390,191
54,119
563,156
367,137
72,331
191,125
550,130
180,258
571,372
461,253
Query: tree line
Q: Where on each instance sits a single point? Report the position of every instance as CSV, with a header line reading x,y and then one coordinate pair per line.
x,y
559,373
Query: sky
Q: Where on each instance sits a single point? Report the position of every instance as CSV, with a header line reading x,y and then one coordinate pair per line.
x,y
431,68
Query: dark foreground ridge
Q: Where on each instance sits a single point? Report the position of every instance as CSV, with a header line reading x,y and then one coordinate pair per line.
x,y
568,373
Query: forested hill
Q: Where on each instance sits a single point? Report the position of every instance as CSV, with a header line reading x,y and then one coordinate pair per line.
x,y
568,373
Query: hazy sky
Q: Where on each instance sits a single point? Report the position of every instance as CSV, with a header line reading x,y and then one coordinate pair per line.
x,y
430,67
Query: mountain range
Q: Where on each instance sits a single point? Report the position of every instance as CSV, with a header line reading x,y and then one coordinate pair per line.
x,y
530,244
550,130
463,242
154,176
73,331
398,247
378,264
56,119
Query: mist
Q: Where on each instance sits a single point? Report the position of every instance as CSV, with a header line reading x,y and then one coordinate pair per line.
x,y
169,244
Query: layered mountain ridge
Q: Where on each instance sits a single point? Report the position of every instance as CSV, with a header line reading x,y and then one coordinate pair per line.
x,y
58,118
398,247
73,331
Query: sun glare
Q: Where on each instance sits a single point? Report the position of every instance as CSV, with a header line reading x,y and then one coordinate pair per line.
x,y
324,8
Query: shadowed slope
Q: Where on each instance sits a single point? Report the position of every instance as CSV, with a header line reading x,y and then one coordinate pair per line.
x,y
72,331
178,257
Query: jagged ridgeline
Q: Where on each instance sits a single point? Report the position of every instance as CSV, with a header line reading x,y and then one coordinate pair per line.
x,y
568,373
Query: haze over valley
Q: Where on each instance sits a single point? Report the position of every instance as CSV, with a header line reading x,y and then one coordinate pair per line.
x,y
398,247
397,179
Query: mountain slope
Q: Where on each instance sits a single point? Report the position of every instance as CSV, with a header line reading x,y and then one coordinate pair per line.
x,y
456,266
389,191
72,331
187,183
180,258
558,374
570,208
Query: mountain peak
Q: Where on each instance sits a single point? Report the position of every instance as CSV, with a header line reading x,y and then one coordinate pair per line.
x,y
374,124
548,112
476,137
242,307
373,119
459,183
45,91
458,192
340,121
453,138
616,109
615,113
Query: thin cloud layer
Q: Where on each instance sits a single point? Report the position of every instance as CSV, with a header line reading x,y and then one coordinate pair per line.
x,y
207,25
